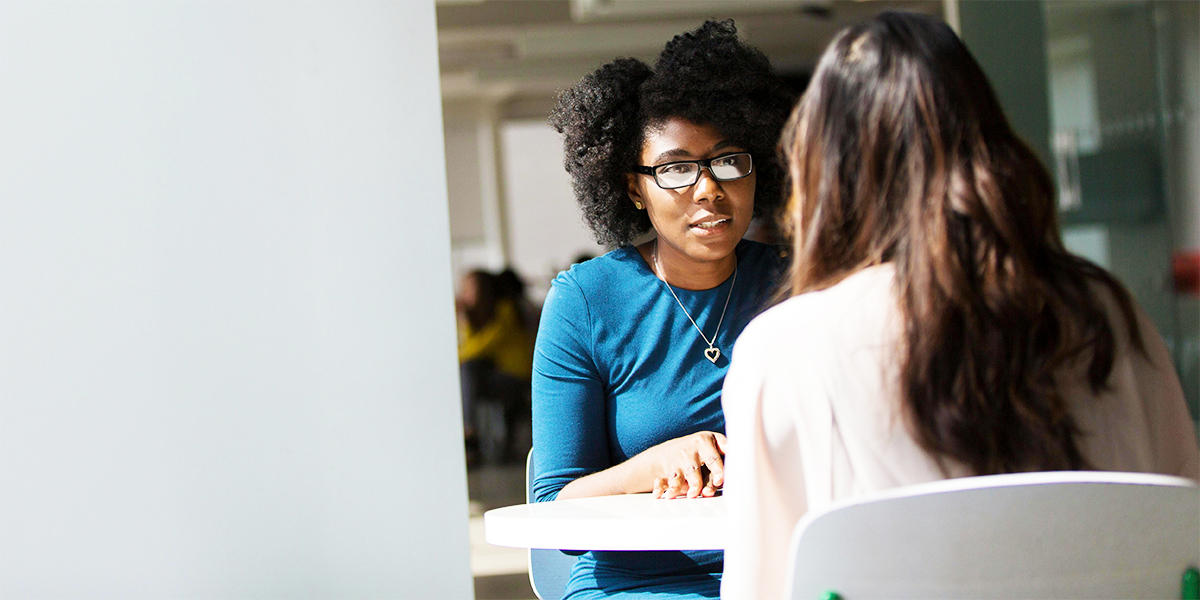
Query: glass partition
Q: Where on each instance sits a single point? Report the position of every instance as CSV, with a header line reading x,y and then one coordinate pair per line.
x,y
1123,105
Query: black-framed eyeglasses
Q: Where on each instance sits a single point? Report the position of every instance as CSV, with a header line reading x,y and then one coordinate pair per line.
x,y
674,175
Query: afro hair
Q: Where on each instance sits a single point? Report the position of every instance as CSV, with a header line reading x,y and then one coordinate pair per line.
x,y
707,76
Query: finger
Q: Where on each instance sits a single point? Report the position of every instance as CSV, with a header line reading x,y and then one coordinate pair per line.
x,y
695,481
685,491
678,485
716,471
721,441
660,485
714,460
673,485
708,491
716,468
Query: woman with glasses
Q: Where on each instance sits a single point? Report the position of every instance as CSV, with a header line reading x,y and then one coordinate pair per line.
x,y
937,327
633,345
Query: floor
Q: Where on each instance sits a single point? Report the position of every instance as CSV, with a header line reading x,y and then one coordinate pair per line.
x,y
500,573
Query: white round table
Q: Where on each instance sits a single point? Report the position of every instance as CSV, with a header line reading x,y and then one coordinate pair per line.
x,y
626,522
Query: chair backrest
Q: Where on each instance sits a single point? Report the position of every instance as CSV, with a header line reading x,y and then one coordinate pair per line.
x,y
1029,535
549,570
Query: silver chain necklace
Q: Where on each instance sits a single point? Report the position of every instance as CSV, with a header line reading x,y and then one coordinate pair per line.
x,y
712,353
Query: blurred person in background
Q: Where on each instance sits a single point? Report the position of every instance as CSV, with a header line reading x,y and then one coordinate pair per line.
x,y
511,287
495,352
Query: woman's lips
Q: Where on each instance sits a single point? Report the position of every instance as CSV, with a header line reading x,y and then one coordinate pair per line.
x,y
713,227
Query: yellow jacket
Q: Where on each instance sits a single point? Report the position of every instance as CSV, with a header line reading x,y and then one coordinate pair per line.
x,y
503,340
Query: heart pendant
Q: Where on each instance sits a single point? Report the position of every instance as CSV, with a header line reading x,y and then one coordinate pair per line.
x,y
712,354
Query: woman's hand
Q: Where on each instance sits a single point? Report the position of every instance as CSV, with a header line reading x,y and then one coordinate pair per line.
x,y
692,465
689,466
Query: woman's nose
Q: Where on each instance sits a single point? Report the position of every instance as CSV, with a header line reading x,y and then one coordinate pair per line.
x,y
707,187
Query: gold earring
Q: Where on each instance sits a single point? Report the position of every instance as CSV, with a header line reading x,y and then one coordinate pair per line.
x,y
638,205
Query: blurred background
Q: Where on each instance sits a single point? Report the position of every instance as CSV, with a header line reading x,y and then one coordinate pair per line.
x,y
1107,92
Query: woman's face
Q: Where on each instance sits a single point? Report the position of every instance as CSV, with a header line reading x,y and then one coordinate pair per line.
x,y
702,222
468,291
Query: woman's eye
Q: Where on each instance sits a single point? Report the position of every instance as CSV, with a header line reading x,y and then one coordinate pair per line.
x,y
676,169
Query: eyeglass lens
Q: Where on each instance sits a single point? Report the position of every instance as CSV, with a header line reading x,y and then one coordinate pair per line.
x,y
723,168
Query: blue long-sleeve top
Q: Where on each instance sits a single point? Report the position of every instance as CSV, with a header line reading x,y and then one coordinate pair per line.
x,y
618,367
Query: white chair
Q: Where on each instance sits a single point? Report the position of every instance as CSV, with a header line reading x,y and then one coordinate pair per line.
x,y
549,570
1031,535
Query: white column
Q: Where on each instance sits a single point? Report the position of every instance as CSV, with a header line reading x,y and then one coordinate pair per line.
x,y
227,364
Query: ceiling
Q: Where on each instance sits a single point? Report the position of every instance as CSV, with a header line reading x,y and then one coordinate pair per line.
x,y
517,54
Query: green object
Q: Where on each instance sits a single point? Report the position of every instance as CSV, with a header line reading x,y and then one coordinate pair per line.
x,y
1191,585
832,595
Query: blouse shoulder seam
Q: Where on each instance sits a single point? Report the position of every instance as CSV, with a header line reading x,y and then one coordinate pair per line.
x,y
587,312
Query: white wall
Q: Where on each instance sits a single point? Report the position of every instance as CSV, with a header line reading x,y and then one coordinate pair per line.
x,y
545,227
463,181
227,360
477,228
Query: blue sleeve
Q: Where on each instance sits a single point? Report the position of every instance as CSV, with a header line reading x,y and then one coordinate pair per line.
x,y
570,437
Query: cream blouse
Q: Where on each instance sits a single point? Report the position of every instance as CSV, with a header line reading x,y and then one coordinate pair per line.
x,y
811,410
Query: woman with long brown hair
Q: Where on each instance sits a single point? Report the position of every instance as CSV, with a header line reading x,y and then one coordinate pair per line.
x,y
936,325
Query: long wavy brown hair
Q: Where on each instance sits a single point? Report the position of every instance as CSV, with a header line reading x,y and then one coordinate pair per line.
x,y
899,152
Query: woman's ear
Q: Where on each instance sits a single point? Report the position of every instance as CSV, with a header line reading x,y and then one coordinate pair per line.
x,y
635,192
